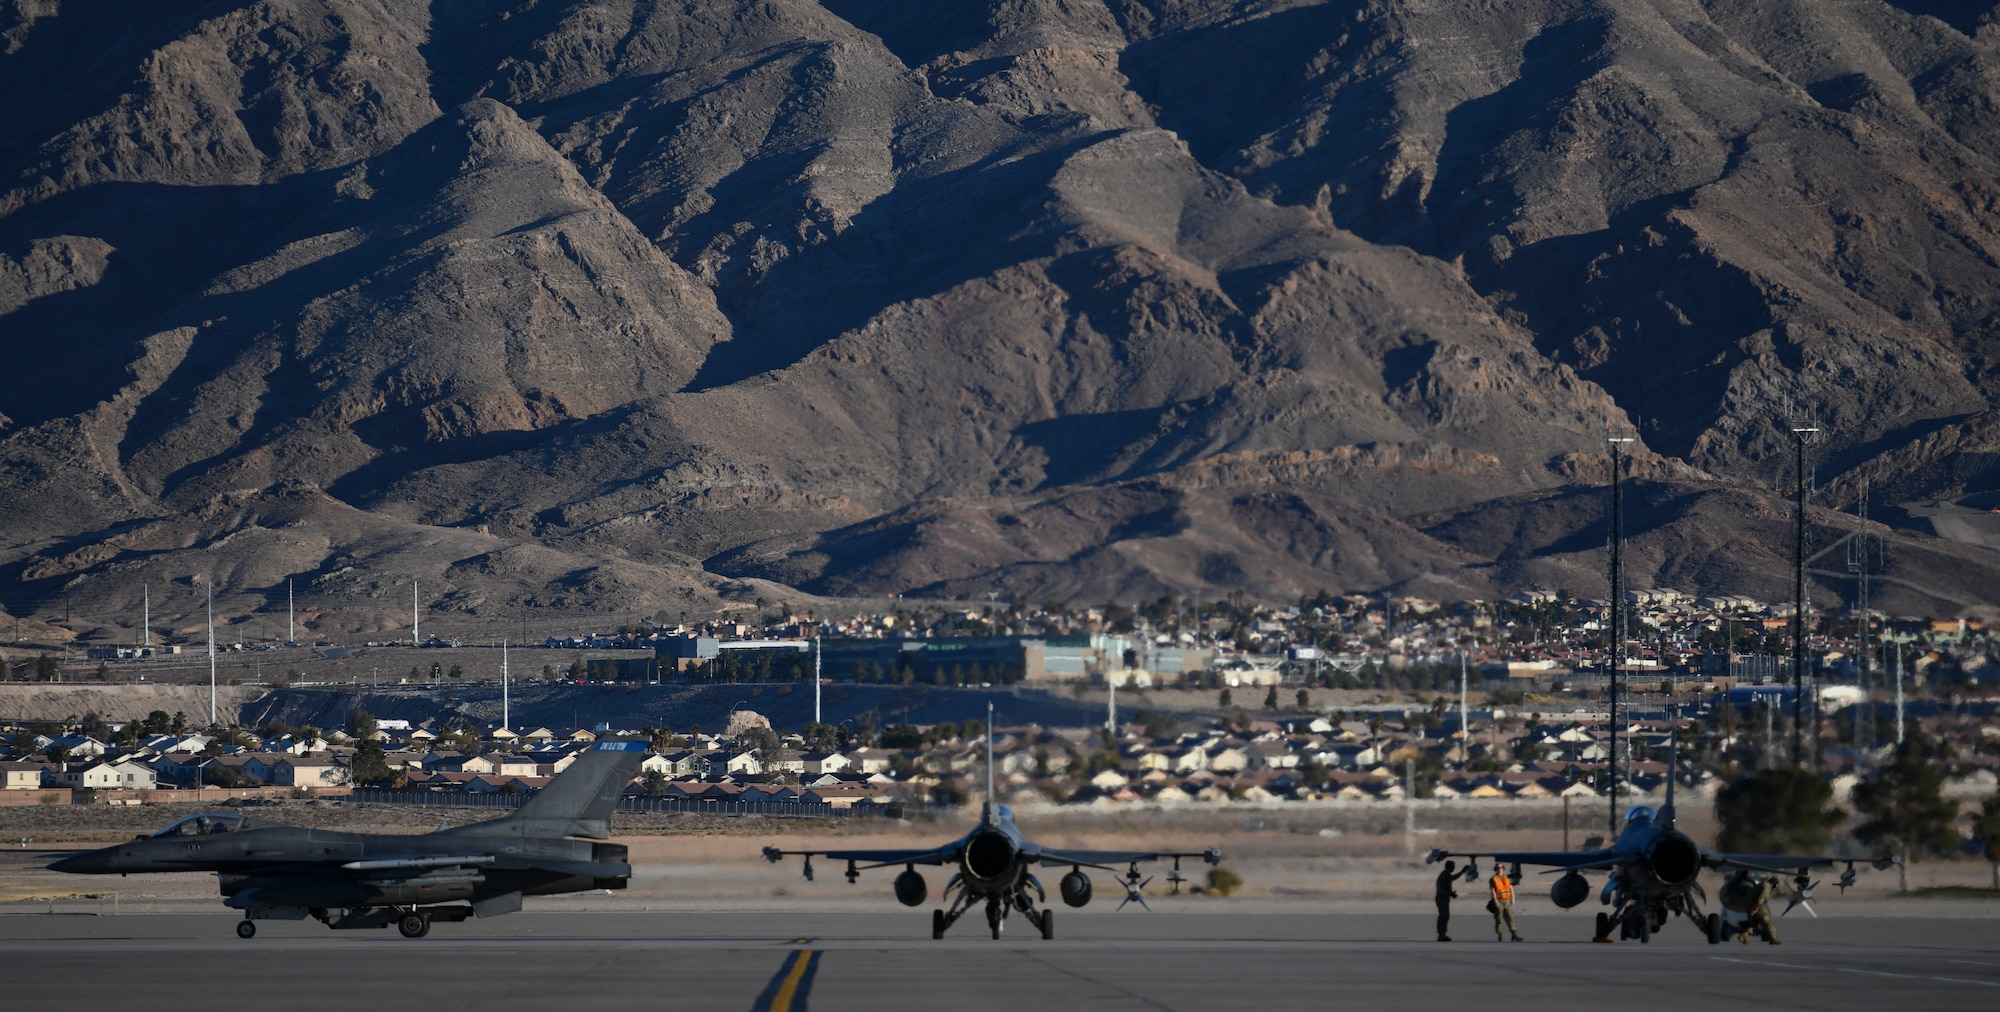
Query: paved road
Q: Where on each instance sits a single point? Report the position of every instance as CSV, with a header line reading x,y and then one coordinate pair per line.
x,y
887,961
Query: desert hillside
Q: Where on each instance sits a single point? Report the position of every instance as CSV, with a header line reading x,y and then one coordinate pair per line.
x,y
608,305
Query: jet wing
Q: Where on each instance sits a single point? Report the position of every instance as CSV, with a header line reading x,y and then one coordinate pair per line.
x,y
1106,858
1555,860
946,854
1775,864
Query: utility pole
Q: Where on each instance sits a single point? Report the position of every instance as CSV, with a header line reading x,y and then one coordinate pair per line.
x,y
211,652
1899,695
1111,714
1799,437
1464,728
1617,630
1860,555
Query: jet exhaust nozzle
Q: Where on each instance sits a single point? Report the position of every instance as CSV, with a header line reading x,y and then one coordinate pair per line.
x,y
1676,860
1076,888
1570,890
911,889
989,857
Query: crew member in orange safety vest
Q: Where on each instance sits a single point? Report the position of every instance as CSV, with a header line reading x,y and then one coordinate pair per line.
x,y
1500,893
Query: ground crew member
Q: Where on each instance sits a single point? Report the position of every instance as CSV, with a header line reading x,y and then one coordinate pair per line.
x,y
1444,897
1500,900
1760,913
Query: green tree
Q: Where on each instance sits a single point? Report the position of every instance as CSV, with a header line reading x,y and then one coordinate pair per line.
x,y
1271,698
1905,807
180,723
1224,700
656,783
1785,810
361,724
1987,831
371,766
1305,700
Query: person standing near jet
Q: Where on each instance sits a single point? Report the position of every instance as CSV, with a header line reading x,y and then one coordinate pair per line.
x,y
1500,899
1760,911
1444,897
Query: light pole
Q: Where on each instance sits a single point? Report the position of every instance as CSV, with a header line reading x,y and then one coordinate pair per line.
x,y
1617,630
1800,436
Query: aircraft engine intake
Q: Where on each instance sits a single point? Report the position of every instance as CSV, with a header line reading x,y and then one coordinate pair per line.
x,y
911,889
1076,888
989,857
1675,859
1570,890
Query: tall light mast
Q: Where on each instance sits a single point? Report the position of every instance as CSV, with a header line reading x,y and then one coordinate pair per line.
x,y
1799,438
415,619
1617,630
506,718
291,615
146,617
211,651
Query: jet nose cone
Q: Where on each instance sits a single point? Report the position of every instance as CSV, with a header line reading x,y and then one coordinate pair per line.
x,y
96,862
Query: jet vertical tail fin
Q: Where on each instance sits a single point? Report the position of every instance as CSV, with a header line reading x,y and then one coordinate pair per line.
x,y
579,801
1673,768
992,813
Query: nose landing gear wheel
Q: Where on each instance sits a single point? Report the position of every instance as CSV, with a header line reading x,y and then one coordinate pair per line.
x,y
1048,924
247,929
414,925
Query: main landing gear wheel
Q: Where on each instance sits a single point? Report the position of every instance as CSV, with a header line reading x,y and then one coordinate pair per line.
x,y
246,929
1603,927
937,924
1712,926
1048,924
996,931
414,925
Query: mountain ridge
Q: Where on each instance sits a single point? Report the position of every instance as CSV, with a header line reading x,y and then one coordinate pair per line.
x,y
668,309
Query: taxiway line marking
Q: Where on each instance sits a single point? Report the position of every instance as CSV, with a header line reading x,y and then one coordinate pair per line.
x,y
790,985
1849,969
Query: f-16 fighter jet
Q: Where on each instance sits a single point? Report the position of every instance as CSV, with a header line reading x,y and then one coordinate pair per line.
x,y
270,871
1653,869
995,867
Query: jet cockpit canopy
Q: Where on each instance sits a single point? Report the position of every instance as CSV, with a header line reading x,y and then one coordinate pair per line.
x,y
203,825
1639,813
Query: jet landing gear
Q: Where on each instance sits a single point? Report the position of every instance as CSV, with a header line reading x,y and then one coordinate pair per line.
x,y
997,909
246,929
414,924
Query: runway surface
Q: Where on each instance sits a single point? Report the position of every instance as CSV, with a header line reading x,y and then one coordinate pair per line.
x,y
871,961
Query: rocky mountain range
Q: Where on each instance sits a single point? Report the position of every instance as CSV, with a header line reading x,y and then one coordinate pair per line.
x,y
620,305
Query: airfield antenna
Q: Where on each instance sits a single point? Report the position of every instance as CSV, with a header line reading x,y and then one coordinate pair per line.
x,y
210,585
506,718
1617,615
1801,435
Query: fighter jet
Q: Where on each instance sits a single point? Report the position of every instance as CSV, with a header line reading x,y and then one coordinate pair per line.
x,y
552,844
1653,869
994,864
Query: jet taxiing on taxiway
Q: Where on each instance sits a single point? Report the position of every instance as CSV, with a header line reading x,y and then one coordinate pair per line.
x,y
1654,870
993,862
552,844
